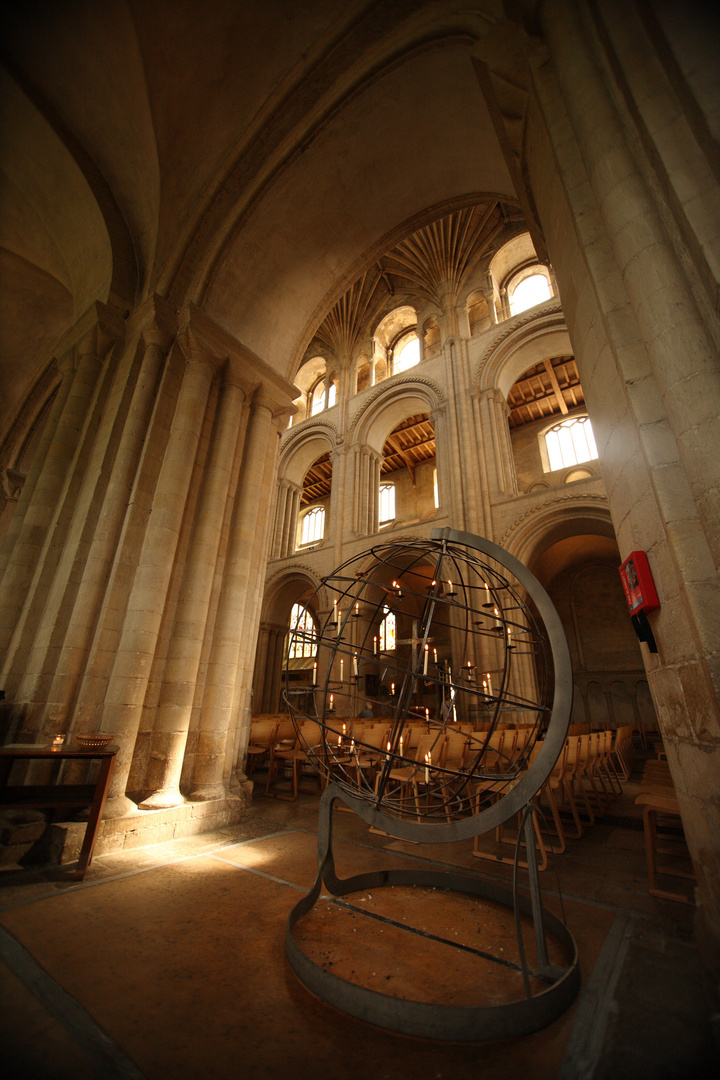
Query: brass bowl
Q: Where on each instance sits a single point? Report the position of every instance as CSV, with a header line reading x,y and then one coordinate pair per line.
x,y
93,742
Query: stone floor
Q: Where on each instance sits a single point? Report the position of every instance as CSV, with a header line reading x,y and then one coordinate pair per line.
x,y
169,960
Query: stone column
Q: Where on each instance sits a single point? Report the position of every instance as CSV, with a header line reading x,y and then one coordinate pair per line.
x,y
365,488
172,720
66,368
217,706
493,414
287,509
128,682
86,357
154,339
654,385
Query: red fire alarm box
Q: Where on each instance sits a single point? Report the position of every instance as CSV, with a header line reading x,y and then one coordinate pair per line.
x,y
638,584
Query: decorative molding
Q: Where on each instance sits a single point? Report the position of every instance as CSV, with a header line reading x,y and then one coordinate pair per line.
x,y
302,431
389,388
554,307
551,504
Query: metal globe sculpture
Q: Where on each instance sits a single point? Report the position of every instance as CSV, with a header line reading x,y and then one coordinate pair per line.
x,y
435,639
443,642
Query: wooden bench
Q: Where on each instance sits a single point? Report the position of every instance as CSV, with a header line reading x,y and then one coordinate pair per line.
x,y
663,831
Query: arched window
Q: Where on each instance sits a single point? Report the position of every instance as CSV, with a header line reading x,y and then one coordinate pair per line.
x,y
317,400
387,630
569,443
387,503
406,353
312,527
530,291
303,633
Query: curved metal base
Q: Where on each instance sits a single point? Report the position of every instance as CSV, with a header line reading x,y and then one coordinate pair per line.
x,y
449,1023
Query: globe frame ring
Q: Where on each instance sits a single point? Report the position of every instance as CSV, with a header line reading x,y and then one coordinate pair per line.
x,y
516,798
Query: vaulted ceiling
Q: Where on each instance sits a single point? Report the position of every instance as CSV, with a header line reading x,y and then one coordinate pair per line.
x,y
253,158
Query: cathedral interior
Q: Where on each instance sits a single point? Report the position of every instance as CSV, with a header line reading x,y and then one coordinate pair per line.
x,y
285,281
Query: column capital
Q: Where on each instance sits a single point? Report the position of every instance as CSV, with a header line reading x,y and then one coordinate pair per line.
x,y
94,332
155,321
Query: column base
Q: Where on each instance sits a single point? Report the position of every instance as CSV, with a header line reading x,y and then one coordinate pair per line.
x,y
164,799
118,806
206,792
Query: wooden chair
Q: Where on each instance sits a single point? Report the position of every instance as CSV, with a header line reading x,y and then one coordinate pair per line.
x,y
664,836
263,732
405,781
308,742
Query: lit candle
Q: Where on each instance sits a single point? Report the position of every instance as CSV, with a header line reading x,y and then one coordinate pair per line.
x,y
485,687
425,659
392,688
315,673
427,716
427,768
341,670
489,679
339,619
450,588
357,607
331,701
487,593
57,743
497,618
387,756
401,745
344,728
334,610
355,667
375,645
435,652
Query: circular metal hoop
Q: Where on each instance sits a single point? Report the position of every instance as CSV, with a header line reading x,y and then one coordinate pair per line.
x,y
517,785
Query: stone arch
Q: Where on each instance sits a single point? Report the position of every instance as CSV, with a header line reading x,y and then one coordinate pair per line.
x,y
392,403
302,449
529,341
292,585
544,524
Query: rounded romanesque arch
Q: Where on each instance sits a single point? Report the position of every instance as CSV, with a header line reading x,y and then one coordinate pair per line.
x,y
294,584
519,346
544,524
385,409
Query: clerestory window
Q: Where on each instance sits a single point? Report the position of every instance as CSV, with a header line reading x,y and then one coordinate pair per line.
x,y
312,526
569,443
387,503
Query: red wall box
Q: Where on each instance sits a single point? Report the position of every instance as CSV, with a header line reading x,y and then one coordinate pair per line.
x,y
638,583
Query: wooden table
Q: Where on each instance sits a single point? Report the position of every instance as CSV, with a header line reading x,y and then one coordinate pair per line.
x,y
55,796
